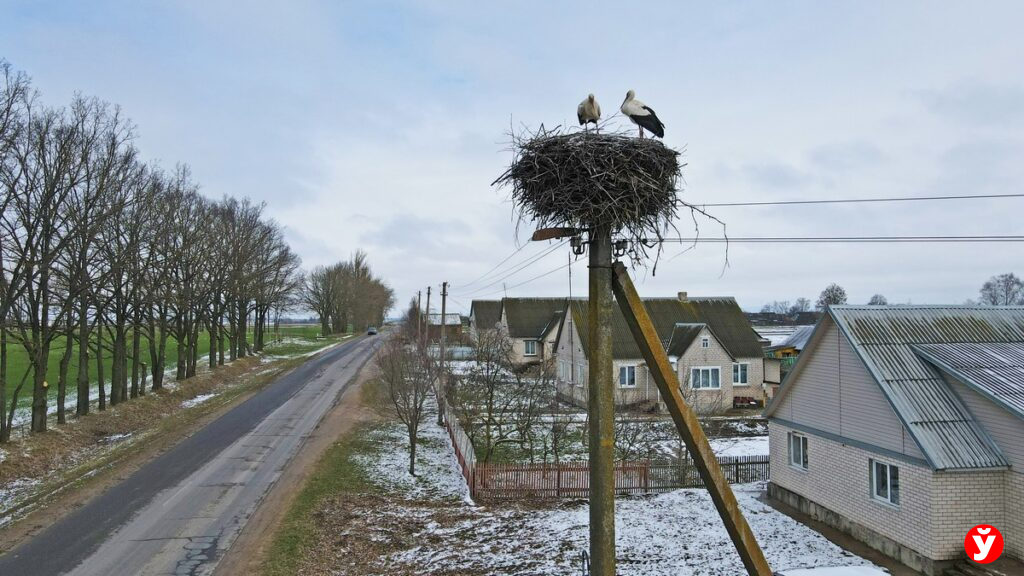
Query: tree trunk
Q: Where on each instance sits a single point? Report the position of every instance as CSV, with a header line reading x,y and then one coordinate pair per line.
x,y
62,378
82,405
412,451
136,359
99,366
5,434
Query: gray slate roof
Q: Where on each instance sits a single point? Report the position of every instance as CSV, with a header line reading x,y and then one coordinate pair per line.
x,y
528,317
885,338
682,336
994,370
487,313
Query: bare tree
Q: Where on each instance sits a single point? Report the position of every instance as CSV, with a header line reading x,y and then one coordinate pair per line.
x,y
833,294
800,305
1002,290
408,379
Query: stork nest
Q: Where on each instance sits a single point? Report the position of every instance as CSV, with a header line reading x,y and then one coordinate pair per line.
x,y
586,180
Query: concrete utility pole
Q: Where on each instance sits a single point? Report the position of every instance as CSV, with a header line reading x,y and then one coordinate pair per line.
x,y
442,377
601,405
426,339
419,316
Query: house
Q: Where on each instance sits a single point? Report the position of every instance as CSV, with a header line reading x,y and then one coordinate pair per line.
x,y
452,328
483,315
715,352
904,426
529,323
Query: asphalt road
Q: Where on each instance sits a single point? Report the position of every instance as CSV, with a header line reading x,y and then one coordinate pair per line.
x,y
179,513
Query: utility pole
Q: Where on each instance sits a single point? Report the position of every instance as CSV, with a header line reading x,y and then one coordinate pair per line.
x,y
419,316
441,381
427,330
601,403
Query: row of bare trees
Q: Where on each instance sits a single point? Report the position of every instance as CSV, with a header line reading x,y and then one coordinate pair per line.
x,y
347,294
103,254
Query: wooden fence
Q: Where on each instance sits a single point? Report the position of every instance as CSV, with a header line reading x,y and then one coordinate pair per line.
x,y
572,479
461,444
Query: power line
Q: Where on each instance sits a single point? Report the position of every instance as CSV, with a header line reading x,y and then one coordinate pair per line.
x,y
518,269
525,282
843,239
860,200
496,266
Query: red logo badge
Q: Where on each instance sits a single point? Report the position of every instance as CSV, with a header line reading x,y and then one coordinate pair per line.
x,y
983,544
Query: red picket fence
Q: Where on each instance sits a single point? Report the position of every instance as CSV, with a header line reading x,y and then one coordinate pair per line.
x,y
572,479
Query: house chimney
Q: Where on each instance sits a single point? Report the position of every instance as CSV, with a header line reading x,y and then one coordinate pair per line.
x,y
682,296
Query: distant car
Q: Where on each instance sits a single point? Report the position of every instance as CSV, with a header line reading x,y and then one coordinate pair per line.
x,y
371,331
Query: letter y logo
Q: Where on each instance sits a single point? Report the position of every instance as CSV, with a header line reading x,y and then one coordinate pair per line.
x,y
983,544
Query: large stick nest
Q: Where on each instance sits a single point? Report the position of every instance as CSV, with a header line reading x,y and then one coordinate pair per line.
x,y
587,180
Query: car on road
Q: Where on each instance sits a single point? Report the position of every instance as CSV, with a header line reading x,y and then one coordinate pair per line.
x,y
371,331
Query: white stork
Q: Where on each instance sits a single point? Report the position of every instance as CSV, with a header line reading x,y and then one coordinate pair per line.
x,y
588,111
642,115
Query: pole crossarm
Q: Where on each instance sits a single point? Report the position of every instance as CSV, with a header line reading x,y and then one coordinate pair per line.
x,y
686,421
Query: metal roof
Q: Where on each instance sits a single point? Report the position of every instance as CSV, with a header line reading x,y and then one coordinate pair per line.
x,y
798,339
884,337
995,370
450,319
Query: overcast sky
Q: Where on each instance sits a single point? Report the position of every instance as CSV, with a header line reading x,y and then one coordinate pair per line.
x,y
380,125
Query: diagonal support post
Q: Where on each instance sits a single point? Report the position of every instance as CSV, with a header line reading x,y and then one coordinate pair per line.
x,y
647,340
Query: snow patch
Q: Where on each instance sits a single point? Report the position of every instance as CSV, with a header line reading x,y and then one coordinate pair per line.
x,y
197,400
740,446
115,438
12,493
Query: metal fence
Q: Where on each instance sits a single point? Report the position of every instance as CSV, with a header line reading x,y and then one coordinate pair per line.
x,y
572,479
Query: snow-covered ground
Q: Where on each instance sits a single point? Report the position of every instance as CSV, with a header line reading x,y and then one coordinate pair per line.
x,y
13,492
740,446
197,400
678,533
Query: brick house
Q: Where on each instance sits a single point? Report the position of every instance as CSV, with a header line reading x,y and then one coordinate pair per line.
x,y
716,354
483,315
904,426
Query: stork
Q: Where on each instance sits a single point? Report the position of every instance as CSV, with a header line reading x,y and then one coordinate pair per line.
x,y
588,111
642,115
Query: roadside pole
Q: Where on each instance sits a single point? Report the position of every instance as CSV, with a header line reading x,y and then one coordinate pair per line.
x,y
442,377
601,406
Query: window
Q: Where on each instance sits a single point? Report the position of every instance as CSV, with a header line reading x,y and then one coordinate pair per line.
x,y
580,374
627,376
531,347
885,482
705,342
706,378
563,374
798,451
739,373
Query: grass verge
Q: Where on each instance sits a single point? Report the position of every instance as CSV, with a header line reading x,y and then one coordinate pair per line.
x,y
336,474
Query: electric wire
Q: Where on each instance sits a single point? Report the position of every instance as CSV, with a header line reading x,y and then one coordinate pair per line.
x,y
859,200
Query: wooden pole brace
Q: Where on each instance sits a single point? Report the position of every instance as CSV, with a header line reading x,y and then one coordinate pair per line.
x,y
647,340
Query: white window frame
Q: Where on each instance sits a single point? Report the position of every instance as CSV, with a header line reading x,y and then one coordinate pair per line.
x,y
562,371
738,369
694,379
705,342
798,451
890,497
626,371
526,347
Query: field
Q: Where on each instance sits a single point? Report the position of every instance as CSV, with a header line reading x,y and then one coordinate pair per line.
x,y
295,339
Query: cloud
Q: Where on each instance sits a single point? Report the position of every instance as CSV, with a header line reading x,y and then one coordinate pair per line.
x,y
978,103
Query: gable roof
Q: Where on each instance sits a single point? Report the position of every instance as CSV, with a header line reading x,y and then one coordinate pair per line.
x,y
487,313
995,370
797,340
450,319
682,336
721,315
884,338
528,317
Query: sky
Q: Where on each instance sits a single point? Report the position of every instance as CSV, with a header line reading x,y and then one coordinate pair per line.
x,y
380,126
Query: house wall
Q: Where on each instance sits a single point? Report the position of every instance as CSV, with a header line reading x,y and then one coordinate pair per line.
x,y
711,401
569,354
936,508
835,393
1007,431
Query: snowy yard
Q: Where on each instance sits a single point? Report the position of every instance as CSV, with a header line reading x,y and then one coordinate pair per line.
x,y
428,525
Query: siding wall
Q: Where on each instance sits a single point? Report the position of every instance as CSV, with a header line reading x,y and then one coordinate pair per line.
x,y
709,401
835,393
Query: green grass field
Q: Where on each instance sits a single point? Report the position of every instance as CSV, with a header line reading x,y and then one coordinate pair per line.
x,y
296,339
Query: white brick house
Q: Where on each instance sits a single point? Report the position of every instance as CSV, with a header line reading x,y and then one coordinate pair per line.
x,y
904,426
